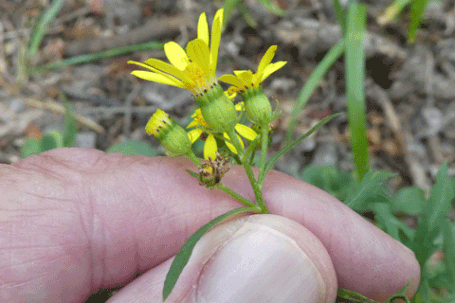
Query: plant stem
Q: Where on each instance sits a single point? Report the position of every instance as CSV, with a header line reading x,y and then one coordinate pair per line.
x,y
193,158
257,191
264,145
235,195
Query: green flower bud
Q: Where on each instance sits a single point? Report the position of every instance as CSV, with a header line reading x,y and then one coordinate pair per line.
x,y
218,110
171,135
257,106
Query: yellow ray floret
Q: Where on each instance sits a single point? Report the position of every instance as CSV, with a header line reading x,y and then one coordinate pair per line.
x,y
194,68
210,146
243,79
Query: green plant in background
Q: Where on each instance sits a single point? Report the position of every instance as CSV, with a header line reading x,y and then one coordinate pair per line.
x,y
229,5
417,11
53,139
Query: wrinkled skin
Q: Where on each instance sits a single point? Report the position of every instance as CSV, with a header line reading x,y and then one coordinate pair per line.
x,y
73,221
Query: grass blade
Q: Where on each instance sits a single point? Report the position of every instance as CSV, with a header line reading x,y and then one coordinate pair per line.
x,y
340,14
183,256
39,30
334,53
355,91
97,56
392,11
288,147
417,10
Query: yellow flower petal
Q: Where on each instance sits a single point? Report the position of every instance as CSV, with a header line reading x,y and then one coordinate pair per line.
x,y
203,29
158,66
266,59
215,41
150,76
240,106
176,55
233,80
246,132
210,148
198,52
169,77
194,134
230,146
245,75
270,69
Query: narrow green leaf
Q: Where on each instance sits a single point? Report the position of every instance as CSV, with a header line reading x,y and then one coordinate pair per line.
x,y
183,256
245,14
353,296
41,25
341,15
275,157
417,10
70,124
98,56
133,148
392,11
334,53
372,189
272,8
400,295
228,7
355,91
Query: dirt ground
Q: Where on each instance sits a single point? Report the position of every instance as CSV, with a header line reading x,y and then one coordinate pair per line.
x,y
409,88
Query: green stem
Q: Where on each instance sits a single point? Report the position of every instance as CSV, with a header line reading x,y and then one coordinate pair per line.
x,y
257,191
264,146
193,158
235,195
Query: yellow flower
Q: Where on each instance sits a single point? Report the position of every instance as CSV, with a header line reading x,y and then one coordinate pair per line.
x,y
193,69
171,135
210,146
245,79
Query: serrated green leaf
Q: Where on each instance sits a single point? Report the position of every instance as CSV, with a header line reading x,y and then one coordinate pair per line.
x,y
329,179
133,148
390,224
30,147
183,256
372,189
51,140
436,209
409,200
288,147
449,252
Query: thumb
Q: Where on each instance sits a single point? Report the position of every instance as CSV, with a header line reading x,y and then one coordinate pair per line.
x,y
258,258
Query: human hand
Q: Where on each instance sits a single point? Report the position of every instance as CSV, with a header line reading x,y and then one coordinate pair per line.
x,y
73,221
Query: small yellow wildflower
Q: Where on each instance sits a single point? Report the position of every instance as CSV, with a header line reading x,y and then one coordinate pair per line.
x,y
193,69
210,146
257,106
245,79
171,135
